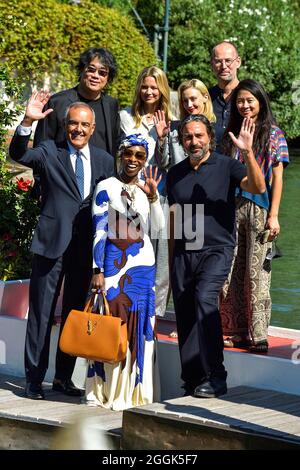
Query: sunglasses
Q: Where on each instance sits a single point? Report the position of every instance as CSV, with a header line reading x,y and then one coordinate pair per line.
x,y
127,153
101,72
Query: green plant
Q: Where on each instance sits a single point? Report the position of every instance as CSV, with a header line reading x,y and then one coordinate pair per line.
x,y
45,41
18,208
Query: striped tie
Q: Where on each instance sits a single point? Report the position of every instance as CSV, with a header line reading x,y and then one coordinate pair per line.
x,y
79,173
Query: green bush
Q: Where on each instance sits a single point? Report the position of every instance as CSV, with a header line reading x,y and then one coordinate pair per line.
x,y
47,37
266,32
18,209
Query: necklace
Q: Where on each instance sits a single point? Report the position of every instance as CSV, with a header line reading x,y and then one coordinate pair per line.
x,y
149,119
130,190
149,116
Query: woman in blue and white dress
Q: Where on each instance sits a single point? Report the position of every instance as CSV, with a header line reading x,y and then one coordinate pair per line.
x,y
124,265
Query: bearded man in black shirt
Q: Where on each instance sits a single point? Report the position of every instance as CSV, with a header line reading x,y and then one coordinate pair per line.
x,y
201,194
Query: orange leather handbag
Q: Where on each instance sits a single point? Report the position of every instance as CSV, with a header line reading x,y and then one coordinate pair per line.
x,y
94,336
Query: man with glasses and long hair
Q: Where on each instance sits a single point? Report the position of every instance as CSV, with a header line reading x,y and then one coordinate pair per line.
x,y
96,69
225,62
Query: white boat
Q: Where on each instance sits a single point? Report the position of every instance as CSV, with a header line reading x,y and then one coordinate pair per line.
x,y
261,409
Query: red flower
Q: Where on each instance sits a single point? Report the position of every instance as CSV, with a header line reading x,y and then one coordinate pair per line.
x,y
7,236
23,185
12,254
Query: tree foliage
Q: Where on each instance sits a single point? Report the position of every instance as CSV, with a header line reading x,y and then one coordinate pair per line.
x,y
266,33
47,37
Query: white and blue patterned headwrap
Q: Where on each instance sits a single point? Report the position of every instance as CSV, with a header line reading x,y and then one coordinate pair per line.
x,y
130,141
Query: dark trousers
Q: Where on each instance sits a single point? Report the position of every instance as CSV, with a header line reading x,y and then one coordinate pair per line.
x,y
45,283
197,278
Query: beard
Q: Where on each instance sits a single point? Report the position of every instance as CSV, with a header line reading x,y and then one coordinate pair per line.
x,y
228,78
197,157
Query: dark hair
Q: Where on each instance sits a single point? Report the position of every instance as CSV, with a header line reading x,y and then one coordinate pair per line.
x,y
104,55
265,119
198,118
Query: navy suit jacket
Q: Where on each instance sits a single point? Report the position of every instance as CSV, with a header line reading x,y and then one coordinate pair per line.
x,y
64,215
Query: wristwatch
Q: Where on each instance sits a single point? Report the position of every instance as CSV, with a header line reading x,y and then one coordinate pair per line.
x,y
98,270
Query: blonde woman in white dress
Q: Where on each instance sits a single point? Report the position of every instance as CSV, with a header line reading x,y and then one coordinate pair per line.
x,y
152,94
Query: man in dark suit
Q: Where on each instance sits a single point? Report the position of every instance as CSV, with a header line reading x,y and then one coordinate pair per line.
x,y
62,242
96,68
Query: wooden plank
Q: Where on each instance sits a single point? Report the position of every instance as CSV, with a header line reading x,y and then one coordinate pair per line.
x,y
142,431
56,410
266,413
243,410
67,413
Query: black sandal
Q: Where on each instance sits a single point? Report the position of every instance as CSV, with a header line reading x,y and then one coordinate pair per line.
x,y
260,348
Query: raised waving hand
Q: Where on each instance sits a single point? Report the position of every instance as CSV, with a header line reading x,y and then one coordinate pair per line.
x,y
245,139
34,110
162,127
151,181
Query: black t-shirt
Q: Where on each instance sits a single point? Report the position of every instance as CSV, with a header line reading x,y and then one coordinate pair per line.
x,y
222,111
99,137
211,189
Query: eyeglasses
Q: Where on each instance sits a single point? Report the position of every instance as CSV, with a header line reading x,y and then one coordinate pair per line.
x,y
228,62
127,153
101,72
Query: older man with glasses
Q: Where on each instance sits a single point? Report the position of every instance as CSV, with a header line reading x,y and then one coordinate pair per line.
x,y
225,62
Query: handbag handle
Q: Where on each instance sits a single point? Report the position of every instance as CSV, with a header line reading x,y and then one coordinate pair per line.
x,y
88,308
89,305
106,305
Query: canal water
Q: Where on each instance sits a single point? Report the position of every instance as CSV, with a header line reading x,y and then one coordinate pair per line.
x,y
285,289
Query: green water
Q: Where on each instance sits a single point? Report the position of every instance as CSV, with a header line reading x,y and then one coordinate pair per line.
x,y
285,289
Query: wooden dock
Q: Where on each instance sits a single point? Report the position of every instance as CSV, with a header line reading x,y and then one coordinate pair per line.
x,y
245,418
59,422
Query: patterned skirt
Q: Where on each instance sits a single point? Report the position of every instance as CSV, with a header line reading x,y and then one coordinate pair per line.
x,y
245,302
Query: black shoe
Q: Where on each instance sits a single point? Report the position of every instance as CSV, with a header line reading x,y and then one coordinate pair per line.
x,y
188,390
211,388
34,391
67,387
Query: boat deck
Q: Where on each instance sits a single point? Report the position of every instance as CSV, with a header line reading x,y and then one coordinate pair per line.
x,y
245,418
279,346
261,409
37,424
